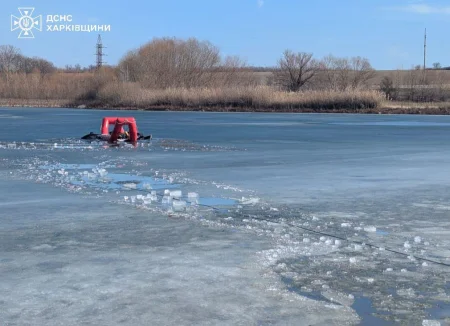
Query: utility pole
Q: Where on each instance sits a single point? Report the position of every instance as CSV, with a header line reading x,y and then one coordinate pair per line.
x,y
99,54
424,49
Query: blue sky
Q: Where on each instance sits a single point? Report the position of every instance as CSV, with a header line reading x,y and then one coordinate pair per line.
x,y
387,32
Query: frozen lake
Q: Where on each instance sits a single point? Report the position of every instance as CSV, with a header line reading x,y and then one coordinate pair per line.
x,y
295,223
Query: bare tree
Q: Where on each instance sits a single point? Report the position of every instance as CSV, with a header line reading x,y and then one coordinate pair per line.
x,y
398,82
28,65
330,78
130,67
436,65
426,91
44,66
362,72
171,62
344,73
387,87
233,71
9,60
295,70
335,73
412,81
440,85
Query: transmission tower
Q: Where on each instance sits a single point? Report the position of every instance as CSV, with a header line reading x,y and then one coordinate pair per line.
x,y
99,53
424,49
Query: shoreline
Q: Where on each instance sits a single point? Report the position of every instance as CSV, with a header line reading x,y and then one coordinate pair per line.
x,y
395,108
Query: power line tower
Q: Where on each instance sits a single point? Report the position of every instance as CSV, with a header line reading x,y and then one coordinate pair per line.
x,y
99,54
424,49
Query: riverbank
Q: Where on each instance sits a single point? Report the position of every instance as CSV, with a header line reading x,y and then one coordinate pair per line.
x,y
442,108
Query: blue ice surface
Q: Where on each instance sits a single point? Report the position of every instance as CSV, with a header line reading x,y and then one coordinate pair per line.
x,y
288,158
66,166
394,123
217,201
381,232
115,181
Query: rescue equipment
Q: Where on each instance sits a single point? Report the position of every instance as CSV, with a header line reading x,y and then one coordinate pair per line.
x,y
118,133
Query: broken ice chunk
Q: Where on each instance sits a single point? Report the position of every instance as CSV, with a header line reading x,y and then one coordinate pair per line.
x,y
370,229
101,172
358,247
130,185
249,201
429,322
175,194
179,205
193,197
166,199
153,196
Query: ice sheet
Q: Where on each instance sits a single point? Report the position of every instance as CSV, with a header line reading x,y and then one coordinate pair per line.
x,y
78,233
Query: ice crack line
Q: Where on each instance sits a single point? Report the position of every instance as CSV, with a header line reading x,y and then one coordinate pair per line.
x,y
325,234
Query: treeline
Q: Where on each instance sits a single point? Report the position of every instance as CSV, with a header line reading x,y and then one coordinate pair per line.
x,y
173,63
416,85
12,62
170,72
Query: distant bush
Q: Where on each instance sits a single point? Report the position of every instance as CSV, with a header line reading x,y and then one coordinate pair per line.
x,y
170,62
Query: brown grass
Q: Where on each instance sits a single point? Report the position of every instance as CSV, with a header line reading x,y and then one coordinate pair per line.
x,y
255,98
39,103
105,91
436,108
52,86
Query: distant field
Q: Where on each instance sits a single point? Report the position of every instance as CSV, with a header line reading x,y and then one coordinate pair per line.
x,y
434,77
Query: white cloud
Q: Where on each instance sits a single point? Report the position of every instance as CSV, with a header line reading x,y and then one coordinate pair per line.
x,y
260,3
424,9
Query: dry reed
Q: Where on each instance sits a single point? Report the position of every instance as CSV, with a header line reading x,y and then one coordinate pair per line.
x,y
259,97
104,90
